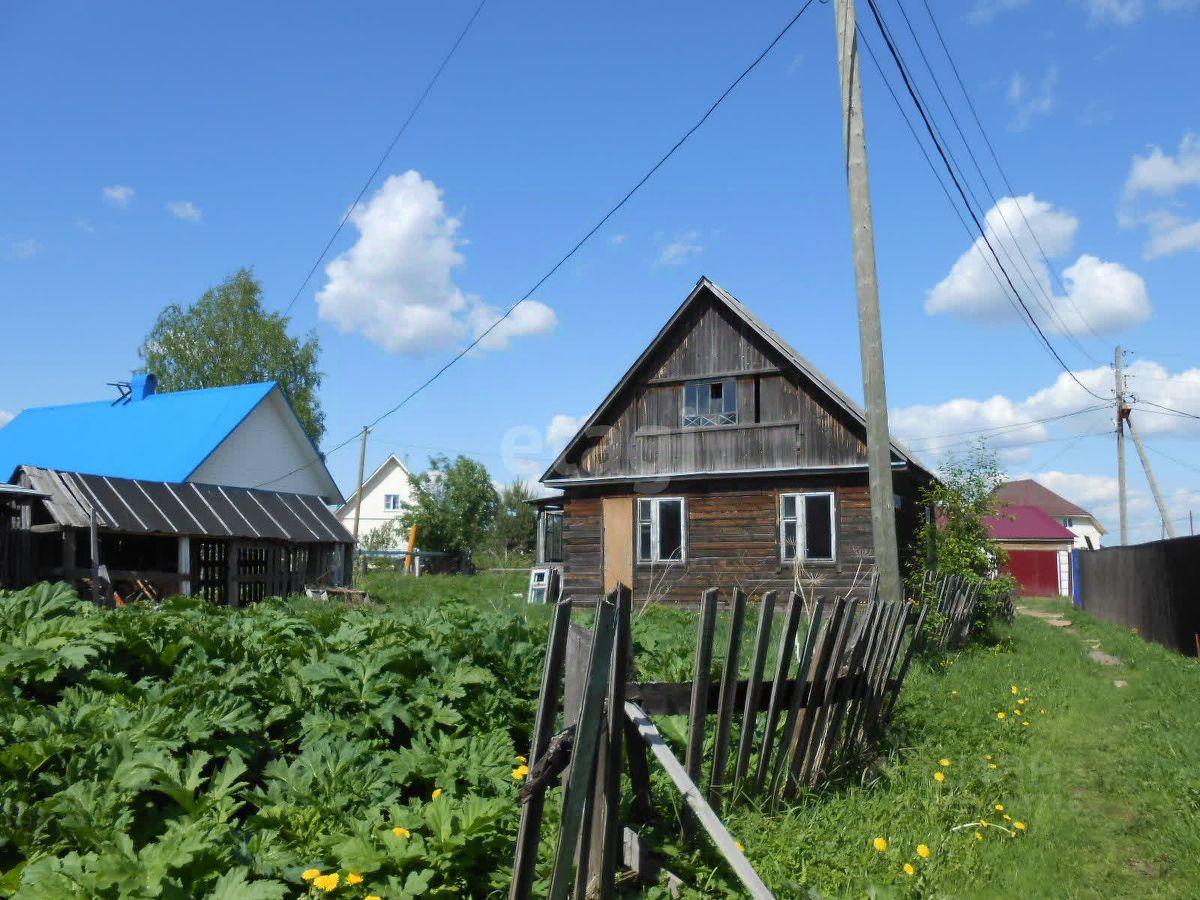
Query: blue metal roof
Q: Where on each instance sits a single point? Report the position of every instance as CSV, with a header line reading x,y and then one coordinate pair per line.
x,y
164,437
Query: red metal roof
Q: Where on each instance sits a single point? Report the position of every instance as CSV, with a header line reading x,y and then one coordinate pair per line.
x,y
1025,523
1028,492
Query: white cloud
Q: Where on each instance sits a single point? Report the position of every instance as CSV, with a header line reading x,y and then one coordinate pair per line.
x,y
395,285
1029,101
1105,294
25,249
1114,12
984,11
118,194
1084,490
618,239
530,317
560,430
1163,174
186,210
680,250
5,417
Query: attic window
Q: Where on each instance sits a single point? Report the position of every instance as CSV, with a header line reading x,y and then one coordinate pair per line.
x,y
707,404
391,502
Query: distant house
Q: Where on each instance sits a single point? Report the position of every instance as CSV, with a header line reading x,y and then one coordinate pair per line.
x,y
383,497
217,492
721,457
1038,547
1027,492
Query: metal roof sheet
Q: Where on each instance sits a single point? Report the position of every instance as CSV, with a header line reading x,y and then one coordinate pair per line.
x,y
138,506
1025,523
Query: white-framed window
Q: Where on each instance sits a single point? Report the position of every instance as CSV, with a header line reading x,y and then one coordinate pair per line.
x,y
662,529
391,502
806,527
710,403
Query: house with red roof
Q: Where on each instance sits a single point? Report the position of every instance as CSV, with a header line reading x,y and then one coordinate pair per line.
x,y
1038,547
1026,492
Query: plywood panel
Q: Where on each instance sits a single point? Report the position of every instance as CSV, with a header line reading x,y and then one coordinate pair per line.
x,y
618,542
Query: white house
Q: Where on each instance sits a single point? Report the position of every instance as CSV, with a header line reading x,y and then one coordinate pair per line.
x,y
384,496
1026,492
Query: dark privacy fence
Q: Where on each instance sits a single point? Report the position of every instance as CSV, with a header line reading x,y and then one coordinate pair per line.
x,y
1153,587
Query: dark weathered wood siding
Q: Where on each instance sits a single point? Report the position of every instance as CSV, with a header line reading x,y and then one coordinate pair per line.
x,y
733,538
783,420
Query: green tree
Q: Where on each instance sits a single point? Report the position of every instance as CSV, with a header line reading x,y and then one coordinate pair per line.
x,y
515,531
453,505
227,337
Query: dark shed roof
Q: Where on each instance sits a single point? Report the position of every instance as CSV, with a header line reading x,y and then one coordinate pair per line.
x,y
159,507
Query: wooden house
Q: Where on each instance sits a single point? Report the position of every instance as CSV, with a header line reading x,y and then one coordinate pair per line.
x,y
215,492
722,457
384,495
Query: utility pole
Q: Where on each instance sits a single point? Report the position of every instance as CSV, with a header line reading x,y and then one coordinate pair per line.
x,y
1168,526
362,461
870,331
1122,414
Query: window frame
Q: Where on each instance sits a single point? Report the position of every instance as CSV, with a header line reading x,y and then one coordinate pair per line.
x,y
544,533
655,534
387,507
729,387
801,520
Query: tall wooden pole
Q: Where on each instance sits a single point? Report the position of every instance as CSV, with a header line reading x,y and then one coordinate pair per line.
x,y
870,331
362,461
1168,525
1122,412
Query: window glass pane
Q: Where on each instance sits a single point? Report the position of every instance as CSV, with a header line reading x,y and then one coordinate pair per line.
x,y
690,397
818,526
789,540
670,529
789,506
730,406
552,542
644,548
644,510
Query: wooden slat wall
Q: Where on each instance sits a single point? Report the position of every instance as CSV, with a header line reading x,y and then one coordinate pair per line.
x,y
797,425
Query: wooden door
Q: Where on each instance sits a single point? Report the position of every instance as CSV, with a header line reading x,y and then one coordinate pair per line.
x,y
618,542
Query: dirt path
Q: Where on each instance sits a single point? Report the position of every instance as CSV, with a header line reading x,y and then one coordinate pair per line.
x,y
1094,652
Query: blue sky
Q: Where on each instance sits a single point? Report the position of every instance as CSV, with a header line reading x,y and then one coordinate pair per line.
x,y
151,150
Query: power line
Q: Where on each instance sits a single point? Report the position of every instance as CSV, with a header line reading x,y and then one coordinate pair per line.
x,y
1176,460
386,153
1048,306
1032,321
1003,174
574,249
1168,409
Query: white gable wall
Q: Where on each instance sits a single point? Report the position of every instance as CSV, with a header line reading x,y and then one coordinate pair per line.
x,y
389,479
1082,527
269,443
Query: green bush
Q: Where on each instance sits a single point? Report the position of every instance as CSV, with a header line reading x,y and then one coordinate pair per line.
x,y
188,750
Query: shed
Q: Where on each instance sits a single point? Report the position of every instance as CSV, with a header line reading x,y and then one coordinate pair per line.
x,y
1039,550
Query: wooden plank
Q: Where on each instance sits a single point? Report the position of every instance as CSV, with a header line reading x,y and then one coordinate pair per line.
x,y
798,751
908,655
583,769
843,694
783,661
529,831
701,675
827,703
727,703
641,862
795,708
720,836
758,663
606,851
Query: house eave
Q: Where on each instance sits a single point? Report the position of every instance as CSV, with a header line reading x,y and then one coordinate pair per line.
x,y
897,466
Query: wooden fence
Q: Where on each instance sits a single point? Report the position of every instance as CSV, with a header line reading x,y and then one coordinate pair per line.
x,y
1150,587
836,674
955,600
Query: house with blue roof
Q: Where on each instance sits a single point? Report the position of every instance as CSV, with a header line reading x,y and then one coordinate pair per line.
x,y
217,492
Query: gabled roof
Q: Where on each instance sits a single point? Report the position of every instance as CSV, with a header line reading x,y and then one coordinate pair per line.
x,y
369,484
791,357
1026,523
1028,492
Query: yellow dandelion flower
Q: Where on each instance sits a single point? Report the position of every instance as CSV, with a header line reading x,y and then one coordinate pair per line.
x,y
1016,690
522,760
741,847
908,869
354,878
939,776
310,874
1026,722
327,882
923,851
881,844
1042,711
983,823
1020,826
988,757
943,762
954,693
401,831
437,792
999,715
520,772
999,807
1017,711
373,897
1007,817
992,766
979,835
